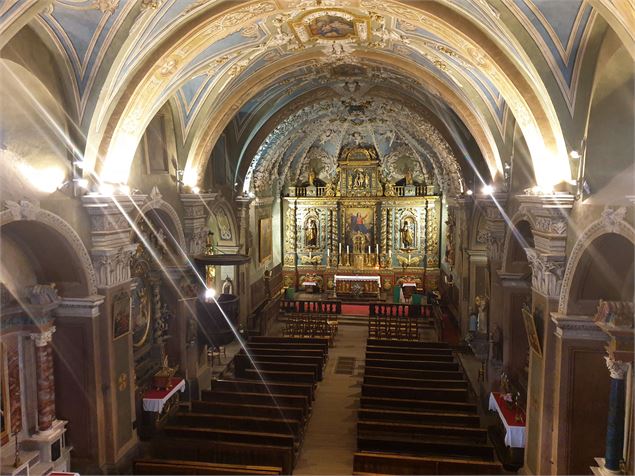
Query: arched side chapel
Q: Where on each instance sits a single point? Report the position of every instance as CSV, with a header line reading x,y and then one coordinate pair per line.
x,y
470,160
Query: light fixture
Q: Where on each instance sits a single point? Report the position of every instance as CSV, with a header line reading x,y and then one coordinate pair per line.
x,y
196,190
574,154
210,293
487,190
468,192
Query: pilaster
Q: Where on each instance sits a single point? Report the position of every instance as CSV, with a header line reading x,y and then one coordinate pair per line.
x,y
196,209
495,226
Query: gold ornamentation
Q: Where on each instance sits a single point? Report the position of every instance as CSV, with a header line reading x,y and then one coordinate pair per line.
x,y
122,382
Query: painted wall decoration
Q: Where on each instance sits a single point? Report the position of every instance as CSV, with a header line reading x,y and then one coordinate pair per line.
x,y
223,225
120,315
265,248
141,312
331,27
532,333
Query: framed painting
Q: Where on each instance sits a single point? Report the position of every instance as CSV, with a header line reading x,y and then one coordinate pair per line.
x,y
532,333
359,228
265,248
120,315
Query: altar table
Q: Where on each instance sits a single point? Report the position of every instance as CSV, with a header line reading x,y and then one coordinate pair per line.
x,y
515,427
155,400
357,286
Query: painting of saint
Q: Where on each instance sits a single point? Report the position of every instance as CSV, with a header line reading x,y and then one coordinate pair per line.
x,y
121,315
331,27
265,248
360,220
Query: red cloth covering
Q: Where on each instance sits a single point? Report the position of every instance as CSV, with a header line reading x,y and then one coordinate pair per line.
x,y
509,412
161,394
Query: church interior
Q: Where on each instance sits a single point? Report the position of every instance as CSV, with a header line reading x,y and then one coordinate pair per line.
x,y
317,237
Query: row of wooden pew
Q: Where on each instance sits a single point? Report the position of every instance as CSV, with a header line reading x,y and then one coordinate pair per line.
x,y
311,325
415,414
389,327
251,423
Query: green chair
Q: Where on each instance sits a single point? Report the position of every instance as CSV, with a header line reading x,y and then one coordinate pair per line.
x,y
396,293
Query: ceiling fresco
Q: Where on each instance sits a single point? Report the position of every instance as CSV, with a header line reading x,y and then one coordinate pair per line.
x,y
126,59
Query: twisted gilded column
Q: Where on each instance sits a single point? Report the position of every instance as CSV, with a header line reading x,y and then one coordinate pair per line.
x,y
45,378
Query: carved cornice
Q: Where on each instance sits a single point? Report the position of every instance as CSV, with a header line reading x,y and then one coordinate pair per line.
x,y
80,307
577,328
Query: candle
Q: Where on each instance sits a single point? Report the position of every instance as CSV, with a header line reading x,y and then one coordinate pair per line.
x,y
408,257
328,252
368,249
340,248
347,250
377,249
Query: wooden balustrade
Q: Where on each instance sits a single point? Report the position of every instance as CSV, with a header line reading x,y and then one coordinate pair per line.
x,y
311,307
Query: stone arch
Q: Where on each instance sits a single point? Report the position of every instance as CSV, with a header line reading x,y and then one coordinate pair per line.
x,y
611,222
166,210
512,245
25,211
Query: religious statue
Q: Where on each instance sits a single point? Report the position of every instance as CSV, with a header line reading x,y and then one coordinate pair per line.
x,y
407,236
228,286
359,179
209,243
311,177
408,177
310,235
497,344
482,303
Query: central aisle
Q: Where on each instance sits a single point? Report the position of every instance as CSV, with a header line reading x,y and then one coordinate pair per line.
x,y
331,435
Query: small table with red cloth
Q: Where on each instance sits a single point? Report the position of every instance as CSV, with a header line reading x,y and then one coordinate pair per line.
x,y
155,400
513,419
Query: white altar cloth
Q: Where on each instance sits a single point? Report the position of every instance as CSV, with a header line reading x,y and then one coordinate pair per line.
x,y
160,397
515,434
357,278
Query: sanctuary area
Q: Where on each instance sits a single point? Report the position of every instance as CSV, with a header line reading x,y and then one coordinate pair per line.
x,y
329,237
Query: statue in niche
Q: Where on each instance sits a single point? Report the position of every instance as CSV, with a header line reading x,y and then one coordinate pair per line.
x,y
359,179
228,286
408,177
407,235
482,303
311,177
310,234
497,344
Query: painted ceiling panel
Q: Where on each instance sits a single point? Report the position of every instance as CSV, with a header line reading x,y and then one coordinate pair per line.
x,y
560,15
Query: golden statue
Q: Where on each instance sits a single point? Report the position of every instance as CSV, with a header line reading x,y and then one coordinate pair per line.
x,y
408,177
407,236
209,244
311,177
310,235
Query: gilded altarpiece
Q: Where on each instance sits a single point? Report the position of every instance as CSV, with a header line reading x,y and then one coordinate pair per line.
x,y
360,225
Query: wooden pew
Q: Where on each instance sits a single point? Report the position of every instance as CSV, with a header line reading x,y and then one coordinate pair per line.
x,y
322,341
266,411
239,422
412,382
415,393
416,405
258,386
405,356
412,364
299,358
424,417
295,401
414,373
230,436
398,343
409,350
161,466
279,376
382,463
411,429
196,449
420,446
270,350
242,363
286,345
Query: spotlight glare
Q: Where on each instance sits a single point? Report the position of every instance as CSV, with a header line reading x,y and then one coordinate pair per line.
x,y
196,190
83,183
574,154
487,190
125,189
106,189
469,192
210,293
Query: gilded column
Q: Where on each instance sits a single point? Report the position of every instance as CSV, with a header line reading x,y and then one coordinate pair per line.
x,y
615,427
45,378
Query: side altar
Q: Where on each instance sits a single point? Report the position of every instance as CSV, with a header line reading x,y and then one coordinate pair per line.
x,y
361,225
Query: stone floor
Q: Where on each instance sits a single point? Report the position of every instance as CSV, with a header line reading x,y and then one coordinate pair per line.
x,y
330,439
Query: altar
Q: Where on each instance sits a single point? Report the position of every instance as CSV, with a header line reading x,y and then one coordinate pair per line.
x,y
357,287
362,231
